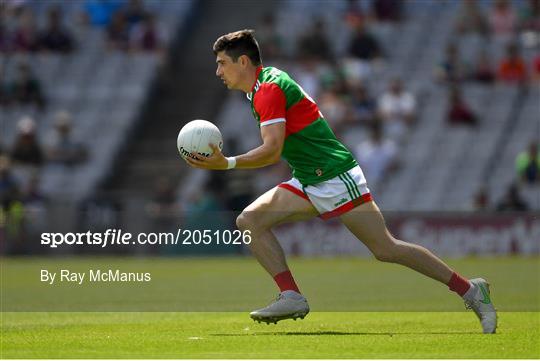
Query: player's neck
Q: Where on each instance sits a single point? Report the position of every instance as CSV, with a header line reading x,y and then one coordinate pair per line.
x,y
251,79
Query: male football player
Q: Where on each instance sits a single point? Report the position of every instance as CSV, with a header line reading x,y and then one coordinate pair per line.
x,y
327,182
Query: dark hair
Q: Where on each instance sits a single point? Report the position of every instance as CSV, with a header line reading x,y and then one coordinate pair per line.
x,y
239,43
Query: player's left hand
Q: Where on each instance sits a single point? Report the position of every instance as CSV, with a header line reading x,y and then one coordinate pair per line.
x,y
216,161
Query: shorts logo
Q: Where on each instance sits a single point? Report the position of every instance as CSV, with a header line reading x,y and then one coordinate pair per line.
x,y
343,200
318,172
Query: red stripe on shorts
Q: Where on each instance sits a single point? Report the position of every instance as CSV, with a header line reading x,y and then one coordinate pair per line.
x,y
296,191
347,206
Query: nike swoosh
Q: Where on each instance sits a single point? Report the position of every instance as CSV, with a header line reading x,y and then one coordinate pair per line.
x,y
486,300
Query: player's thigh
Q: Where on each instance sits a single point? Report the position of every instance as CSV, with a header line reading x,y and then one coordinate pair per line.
x,y
367,224
277,206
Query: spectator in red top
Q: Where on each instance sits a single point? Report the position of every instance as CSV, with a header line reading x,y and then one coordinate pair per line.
x,y
459,111
512,68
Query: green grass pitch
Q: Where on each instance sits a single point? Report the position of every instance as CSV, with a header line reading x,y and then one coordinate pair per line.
x,y
390,313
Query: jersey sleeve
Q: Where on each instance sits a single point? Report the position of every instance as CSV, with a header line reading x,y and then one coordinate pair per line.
x,y
270,103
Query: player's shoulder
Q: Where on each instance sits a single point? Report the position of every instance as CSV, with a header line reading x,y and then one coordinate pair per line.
x,y
266,92
272,78
269,81
269,72
274,75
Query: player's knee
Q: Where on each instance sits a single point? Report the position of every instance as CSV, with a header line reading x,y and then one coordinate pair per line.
x,y
390,252
242,222
393,252
385,255
246,221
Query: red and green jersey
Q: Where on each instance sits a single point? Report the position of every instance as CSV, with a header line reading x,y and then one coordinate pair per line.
x,y
310,147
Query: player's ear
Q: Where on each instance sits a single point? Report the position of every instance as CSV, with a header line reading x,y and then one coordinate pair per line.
x,y
244,60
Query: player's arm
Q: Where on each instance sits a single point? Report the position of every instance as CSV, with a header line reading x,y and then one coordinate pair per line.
x,y
269,103
269,152
273,136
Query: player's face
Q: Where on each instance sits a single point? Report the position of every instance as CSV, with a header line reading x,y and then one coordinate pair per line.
x,y
228,71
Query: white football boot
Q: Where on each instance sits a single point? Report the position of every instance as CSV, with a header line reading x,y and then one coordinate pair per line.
x,y
289,304
480,302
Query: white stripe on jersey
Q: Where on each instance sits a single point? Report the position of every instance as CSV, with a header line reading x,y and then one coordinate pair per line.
x,y
272,121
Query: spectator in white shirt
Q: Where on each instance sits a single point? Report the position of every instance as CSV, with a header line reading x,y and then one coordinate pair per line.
x,y
64,150
377,155
397,109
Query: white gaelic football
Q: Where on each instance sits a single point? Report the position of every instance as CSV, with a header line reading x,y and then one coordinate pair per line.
x,y
195,136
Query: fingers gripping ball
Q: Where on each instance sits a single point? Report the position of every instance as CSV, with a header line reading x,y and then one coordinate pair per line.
x,y
195,137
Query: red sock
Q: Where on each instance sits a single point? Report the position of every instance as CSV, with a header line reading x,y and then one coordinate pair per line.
x,y
459,284
285,282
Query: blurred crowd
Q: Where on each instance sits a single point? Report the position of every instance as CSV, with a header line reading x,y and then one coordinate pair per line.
x,y
527,169
126,24
373,120
129,26
512,29
347,98
32,31
21,196
343,83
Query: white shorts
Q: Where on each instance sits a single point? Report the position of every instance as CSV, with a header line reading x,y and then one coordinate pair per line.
x,y
335,196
